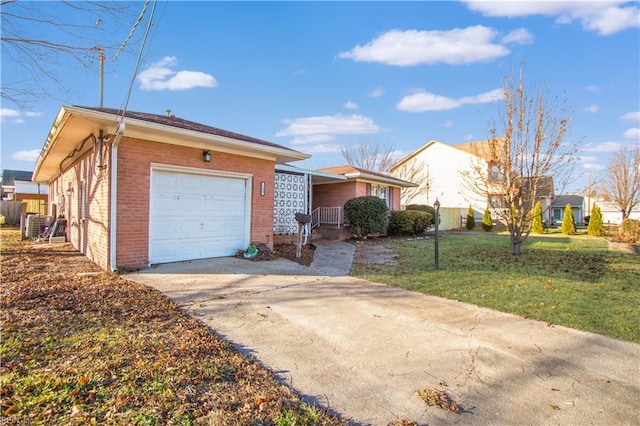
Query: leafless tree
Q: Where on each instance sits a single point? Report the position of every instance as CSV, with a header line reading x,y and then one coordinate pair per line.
x,y
622,184
413,171
528,147
370,157
41,40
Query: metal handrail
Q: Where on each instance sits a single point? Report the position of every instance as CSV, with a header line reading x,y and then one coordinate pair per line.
x,y
326,216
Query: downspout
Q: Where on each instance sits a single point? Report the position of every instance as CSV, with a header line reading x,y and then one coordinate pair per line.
x,y
114,197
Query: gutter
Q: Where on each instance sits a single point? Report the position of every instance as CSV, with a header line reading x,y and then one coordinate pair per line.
x,y
113,210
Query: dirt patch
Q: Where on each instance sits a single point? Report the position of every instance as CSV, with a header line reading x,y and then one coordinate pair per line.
x,y
625,247
288,251
374,252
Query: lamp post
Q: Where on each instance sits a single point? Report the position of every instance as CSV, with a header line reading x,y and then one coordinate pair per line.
x,y
436,205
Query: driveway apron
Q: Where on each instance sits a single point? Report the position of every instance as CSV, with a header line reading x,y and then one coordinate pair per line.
x,y
363,349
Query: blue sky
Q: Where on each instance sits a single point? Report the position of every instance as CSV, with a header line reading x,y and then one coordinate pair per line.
x,y
317,76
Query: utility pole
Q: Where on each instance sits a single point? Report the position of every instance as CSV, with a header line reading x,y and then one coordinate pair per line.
x,y
101,57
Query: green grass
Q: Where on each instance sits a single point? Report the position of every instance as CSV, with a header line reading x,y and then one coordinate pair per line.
x,y
571,281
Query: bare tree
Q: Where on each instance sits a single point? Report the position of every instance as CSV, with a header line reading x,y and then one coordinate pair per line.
x,y
371,157
528,147
413,171
622,185
42,39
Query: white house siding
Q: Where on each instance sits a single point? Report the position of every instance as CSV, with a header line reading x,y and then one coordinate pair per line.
x,y
443,164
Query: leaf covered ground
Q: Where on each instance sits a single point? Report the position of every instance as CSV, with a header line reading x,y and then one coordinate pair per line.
x,y
83,346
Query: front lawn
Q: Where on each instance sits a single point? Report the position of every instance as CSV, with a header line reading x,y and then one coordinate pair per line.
x,y
572,281
82,346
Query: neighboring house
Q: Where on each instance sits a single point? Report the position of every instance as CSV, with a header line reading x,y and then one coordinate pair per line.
x,y
611,214
559,205
141,189
443,167
17,186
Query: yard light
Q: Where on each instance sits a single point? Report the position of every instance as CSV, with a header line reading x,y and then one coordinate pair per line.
x,y
436,206
206,156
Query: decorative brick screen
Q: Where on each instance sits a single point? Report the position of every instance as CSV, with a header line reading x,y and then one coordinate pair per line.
x,y
290,197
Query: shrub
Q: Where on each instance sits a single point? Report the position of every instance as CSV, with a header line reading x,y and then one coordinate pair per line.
x,y
568,222
471,219
409,222
424,208
628,232
487,223
366,215
537,227
596,224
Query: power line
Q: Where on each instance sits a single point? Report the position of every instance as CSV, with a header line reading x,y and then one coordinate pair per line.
x,y
133,29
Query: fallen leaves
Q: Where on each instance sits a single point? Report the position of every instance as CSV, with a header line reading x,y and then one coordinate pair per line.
x,y
81,346
439,398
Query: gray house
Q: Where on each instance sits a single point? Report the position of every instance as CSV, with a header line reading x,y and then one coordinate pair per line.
x,y
559,204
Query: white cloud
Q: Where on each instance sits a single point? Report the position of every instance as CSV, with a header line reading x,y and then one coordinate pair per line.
x,y
519,36
632,133
592,88
325,128
31,155
631,116
350,105
323,149
608,146
377,92
605,17
448,123
425,101
469,138
15,116
591,109
300,72
160,76
413,47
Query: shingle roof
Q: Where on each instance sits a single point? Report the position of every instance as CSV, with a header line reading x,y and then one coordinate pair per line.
x,y
563,200
173,121
352,170
10,176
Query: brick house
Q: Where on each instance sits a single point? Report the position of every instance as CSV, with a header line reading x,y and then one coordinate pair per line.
x,y
138,189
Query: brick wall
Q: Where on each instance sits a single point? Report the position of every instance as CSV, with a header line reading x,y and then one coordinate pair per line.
x,y
134,166
81,194
334,194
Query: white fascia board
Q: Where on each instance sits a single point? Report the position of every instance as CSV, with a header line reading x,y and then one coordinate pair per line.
x,y
293,169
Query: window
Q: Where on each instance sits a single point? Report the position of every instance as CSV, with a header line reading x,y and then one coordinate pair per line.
x,y
497,201
380,192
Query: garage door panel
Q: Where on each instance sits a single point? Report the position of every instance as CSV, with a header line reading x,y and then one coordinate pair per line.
x,y
195,216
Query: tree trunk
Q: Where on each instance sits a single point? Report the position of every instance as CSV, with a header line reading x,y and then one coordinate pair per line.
x,y
515,247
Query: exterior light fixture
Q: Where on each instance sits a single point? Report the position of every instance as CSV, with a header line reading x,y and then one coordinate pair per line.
x,y
436,206
262,188
206,156
70,191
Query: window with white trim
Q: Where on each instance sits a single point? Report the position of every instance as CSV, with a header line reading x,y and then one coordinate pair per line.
x,y
380,192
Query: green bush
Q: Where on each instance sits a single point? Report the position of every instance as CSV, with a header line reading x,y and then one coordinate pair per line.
x,y
537,227
366,215
471,219
409,222
596,224
568,222
487,223
424,208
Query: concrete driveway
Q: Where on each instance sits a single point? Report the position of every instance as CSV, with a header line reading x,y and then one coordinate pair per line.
x,y
363,350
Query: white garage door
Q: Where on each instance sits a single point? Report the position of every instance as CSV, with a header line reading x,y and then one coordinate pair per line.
x,y
195,216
